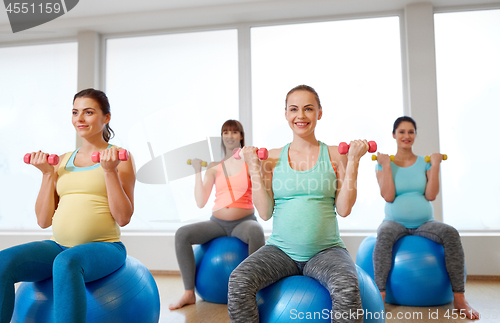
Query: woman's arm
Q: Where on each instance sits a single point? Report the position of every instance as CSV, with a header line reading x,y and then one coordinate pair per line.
x,y
432,187
384,178
203,189
47,200
120,182
261,175
347,175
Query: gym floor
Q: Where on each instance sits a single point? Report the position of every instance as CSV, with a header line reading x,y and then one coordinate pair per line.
x,y
482,293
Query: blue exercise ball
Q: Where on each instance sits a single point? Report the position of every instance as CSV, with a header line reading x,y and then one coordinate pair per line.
x,y
418,275
364,256
303,299
128,295
215,261
371,300
294,299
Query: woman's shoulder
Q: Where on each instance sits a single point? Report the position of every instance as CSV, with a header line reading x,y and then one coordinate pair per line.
x,y
213,167
275,153
333,151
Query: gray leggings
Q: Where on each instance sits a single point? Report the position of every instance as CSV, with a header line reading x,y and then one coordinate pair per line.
x,y
332,267
389,232
246,229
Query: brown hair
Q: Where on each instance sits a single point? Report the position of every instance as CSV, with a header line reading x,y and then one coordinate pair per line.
x,y
303,88
403,119
231,125
101,99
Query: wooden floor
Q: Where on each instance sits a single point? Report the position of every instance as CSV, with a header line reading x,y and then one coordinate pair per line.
x,y
483,295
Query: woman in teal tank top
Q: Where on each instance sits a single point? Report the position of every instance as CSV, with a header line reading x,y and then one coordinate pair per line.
x,y
85,203
303,186
408,184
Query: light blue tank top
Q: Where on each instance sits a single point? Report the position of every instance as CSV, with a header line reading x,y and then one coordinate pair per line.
x,y
410,207
304,219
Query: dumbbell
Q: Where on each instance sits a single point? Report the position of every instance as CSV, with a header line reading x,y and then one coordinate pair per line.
x,y
122,155
52,159
374,157
344,147
203,163
262,153
428,158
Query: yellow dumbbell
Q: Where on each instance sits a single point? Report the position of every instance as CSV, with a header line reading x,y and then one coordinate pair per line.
x,y
203,163
428,158
374,157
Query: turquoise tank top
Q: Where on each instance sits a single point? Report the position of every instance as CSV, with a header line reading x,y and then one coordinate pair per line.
x,y
410,207
304,218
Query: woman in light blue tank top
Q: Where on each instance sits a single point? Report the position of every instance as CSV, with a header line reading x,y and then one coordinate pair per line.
x,y
303,187
408,184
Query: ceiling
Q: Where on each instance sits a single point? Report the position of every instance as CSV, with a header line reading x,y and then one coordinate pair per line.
x,y
125,16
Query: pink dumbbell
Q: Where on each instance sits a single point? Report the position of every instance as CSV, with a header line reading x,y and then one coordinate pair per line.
x,y
344,148
262,153
52,159
122,155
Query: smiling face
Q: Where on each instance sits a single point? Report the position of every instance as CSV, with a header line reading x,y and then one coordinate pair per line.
x,y
231,139
88,118
302,112
405,134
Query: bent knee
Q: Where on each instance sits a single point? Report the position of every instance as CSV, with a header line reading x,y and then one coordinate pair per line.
x,y
183,234
451,233
67,262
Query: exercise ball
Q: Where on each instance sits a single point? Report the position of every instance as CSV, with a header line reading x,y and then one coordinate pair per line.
x,y
364,256
128,295
418,275
215,261
371,300
303,299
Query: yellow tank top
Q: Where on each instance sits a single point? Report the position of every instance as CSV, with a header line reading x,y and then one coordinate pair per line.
x,y
83,213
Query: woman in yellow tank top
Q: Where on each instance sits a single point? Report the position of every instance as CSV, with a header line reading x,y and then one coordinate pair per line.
x,y
232,215
85,203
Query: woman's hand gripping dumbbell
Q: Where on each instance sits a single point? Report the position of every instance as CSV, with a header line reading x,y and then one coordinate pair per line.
x,y
374,157
262,153
123,155
443,157
51,159
203,163
344,147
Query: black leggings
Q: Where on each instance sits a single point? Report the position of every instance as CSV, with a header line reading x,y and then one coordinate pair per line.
x,y
332,267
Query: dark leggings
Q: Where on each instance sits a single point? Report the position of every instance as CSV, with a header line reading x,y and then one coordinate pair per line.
x,y
332,267
246,229
389,232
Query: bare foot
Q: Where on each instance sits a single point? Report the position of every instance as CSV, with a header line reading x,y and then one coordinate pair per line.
x,y
463,306
187,298
383,296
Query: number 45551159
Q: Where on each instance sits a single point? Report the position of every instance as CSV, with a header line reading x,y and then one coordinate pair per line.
x,y
25,7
